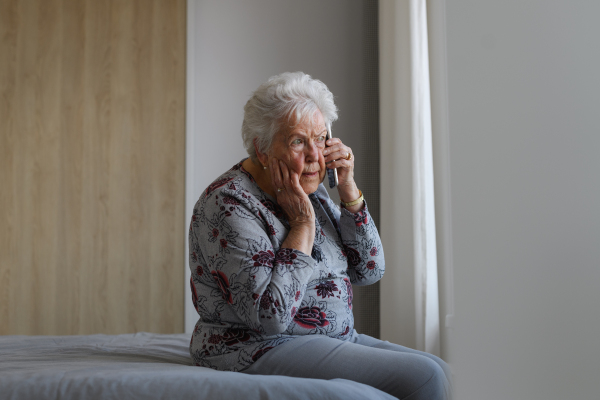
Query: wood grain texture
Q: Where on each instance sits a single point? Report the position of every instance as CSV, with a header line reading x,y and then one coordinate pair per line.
x,y
92,101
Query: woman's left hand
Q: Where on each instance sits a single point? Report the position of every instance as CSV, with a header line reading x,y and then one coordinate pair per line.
x,y
338,155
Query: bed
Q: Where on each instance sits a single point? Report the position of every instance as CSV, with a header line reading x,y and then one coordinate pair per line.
x,y
142,366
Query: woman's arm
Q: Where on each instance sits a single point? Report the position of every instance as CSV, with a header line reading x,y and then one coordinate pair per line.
x,y
296,206
362,244
264,286
240,266
360,238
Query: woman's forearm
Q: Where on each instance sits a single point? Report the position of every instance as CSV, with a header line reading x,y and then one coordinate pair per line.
x,y
301,238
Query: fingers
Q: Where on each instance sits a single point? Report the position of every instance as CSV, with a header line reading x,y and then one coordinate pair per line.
x,y
335,150
338,156
294,202
276,175
285,173
291,180
333,141
284,178
295,181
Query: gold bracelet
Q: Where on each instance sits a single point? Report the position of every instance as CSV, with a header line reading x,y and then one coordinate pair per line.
x,y
355,202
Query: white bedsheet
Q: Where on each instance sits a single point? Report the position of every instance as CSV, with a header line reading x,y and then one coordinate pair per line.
x,y
142,366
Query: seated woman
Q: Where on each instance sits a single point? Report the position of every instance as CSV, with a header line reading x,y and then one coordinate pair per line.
x,y
273,259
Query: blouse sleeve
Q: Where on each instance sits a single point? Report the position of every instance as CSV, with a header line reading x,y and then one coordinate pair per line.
x,y
361,244
263,285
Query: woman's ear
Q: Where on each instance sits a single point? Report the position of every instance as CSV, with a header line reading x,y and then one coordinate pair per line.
x,y
263,158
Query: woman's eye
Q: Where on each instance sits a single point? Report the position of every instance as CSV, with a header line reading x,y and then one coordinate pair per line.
x,y
321,138
297,141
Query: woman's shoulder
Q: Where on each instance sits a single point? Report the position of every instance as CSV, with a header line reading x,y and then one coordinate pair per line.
x,y
235,182
234,196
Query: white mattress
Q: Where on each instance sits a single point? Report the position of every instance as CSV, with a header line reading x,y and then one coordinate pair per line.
x,y
142,366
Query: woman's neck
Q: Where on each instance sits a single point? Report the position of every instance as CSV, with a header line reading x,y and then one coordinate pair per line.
x,y
261,176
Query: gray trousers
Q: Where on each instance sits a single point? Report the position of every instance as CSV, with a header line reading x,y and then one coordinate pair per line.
x,y
397,370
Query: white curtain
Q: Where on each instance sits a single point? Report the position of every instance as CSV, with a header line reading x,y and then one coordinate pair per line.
x,y
410,295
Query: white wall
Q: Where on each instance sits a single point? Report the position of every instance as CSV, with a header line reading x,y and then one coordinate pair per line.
x,y
524,100
233,47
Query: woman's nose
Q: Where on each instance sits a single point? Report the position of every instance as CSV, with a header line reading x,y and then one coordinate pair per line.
x,y
312,152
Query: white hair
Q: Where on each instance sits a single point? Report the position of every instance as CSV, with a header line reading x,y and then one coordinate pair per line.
x,y
285,95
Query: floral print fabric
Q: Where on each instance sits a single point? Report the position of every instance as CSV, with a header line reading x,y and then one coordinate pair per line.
x,y
250,293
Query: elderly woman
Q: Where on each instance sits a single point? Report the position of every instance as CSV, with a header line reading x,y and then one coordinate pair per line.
x,y
273,259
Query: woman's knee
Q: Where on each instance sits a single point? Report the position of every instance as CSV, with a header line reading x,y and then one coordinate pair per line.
x,y
445,367
433,385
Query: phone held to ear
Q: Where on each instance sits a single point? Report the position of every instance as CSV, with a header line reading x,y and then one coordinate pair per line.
x,y
331,173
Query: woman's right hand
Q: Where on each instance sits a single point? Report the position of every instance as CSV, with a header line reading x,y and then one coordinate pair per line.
x,y
296,206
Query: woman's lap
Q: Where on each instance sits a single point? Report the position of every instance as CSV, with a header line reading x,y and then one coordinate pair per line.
x,y
400,371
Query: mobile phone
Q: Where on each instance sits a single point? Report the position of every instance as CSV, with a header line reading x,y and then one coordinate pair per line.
x,y
331,173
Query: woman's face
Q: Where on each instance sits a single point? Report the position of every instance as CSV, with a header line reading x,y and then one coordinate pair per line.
x,y
300,146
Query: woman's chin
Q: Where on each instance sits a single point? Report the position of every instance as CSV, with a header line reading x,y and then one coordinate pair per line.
x,y
309,186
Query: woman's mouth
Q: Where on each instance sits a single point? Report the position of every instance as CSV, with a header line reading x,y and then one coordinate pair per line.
x,y
310,174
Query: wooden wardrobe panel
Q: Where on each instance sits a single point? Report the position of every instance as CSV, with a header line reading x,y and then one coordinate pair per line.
x,y
92,166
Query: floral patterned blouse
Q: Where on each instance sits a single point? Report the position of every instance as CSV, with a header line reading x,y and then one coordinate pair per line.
x,y
252,294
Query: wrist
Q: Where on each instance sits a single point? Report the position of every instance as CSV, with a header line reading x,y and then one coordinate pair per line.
x,y
355,208
348,193
303,226
355,205
300,237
